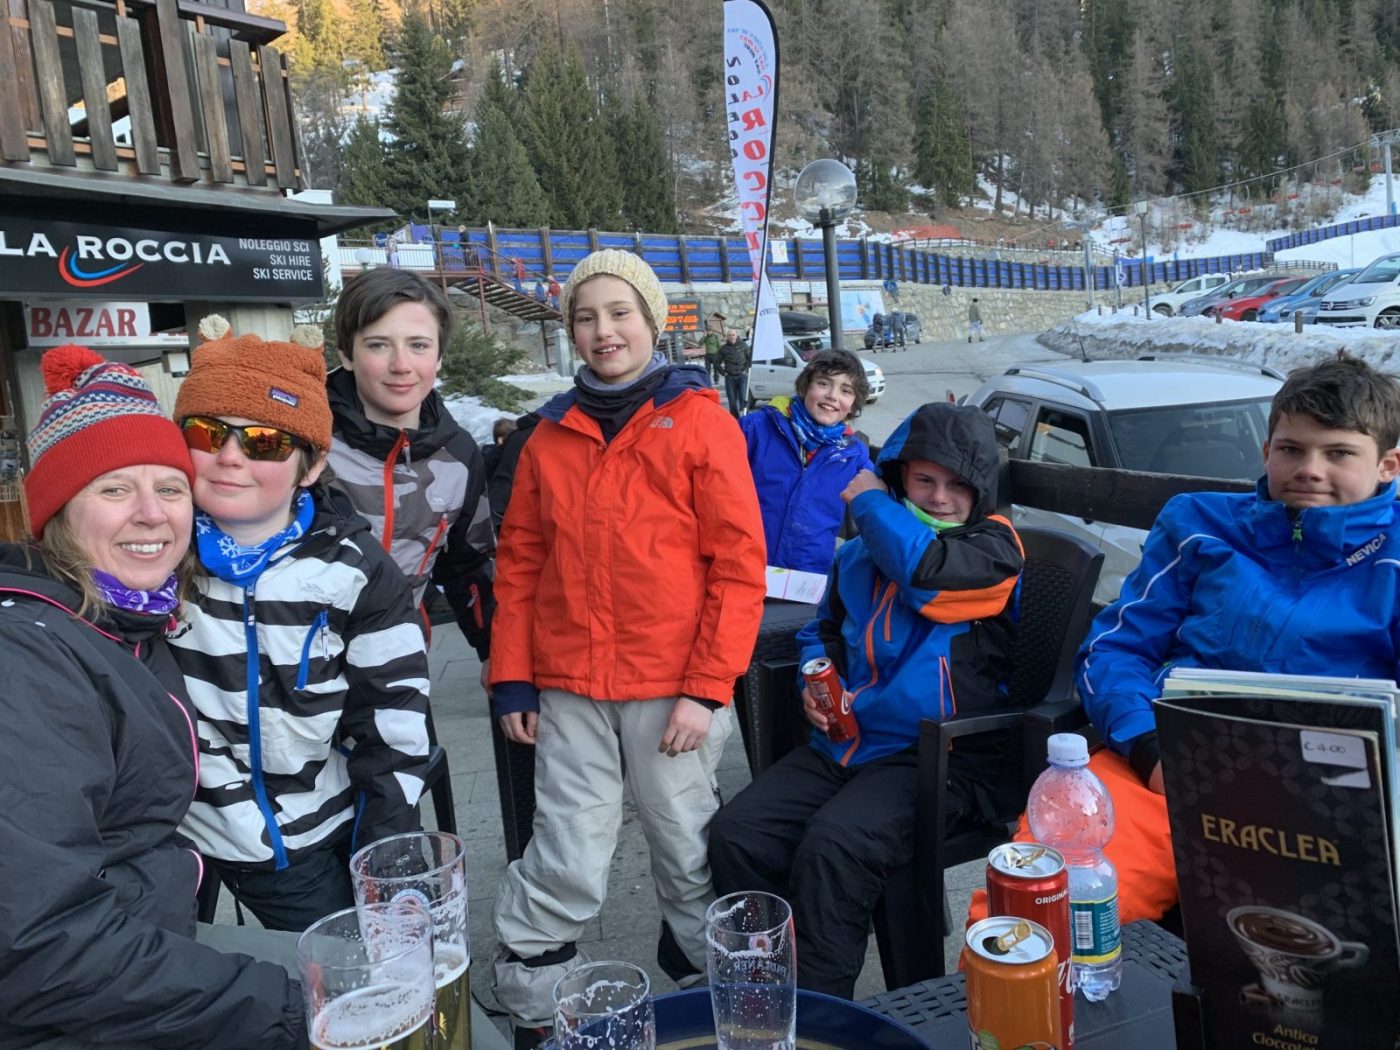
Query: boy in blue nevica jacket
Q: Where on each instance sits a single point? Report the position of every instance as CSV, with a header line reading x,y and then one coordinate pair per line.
x,y
919,619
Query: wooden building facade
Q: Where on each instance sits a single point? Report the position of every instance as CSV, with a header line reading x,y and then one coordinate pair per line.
x,y
148,161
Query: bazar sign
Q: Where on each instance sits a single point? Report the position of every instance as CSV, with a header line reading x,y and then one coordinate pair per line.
x,y
39,257
93,324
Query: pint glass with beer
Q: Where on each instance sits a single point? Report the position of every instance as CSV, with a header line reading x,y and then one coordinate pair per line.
x,y
367,978
431,868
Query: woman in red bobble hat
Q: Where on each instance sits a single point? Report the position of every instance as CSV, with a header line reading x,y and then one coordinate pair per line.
x,y
97,929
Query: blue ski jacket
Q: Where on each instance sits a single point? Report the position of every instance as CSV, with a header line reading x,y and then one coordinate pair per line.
x,y
920,623
801,505
1237,582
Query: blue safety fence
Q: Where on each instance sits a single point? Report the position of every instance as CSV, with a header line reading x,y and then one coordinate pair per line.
x,y
1327,233
683,259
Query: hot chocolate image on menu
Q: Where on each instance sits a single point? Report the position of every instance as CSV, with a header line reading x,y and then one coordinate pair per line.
x,y
1284,856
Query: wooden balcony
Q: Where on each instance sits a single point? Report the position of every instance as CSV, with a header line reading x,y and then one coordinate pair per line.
x,y
171,90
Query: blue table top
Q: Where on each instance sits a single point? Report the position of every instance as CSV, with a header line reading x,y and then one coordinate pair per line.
x,y
684,1022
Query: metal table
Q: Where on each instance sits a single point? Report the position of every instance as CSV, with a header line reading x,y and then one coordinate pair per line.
x,y
1138,1015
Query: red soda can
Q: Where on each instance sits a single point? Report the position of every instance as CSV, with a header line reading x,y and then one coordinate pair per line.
x,y
1011,984
831,697
1030,881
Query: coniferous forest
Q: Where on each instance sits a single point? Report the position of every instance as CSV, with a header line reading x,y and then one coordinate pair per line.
x,y
610,113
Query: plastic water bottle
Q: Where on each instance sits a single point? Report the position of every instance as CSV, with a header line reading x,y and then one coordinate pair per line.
x,y
1070,810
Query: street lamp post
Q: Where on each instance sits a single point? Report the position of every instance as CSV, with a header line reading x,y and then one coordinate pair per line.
x,y
824,195
438,204
1141,208
364,257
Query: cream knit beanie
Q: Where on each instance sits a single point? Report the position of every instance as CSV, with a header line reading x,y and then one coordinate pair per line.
x,y
613,262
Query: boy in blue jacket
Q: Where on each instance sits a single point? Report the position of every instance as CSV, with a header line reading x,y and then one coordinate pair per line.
x,y
918,617
1300,577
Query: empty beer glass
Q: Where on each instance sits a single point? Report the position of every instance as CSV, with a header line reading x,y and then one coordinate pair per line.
x,y
367,978
753,972
430,867
604,1006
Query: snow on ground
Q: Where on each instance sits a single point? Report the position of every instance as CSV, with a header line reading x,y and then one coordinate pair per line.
x,y
1276,345
477,417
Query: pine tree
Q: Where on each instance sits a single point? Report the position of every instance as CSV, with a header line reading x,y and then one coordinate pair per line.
x,y
506,191
364,176
879,185
570,148
1108,35
319,42
502,93
942,149
428,156
472,364
365,32
647,201
1192,106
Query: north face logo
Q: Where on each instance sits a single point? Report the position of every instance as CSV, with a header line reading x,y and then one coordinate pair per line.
x,y
664,423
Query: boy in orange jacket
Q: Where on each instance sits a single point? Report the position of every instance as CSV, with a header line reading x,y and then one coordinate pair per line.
x,y
630,584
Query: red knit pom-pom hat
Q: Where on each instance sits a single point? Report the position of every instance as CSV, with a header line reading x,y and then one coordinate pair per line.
x,y
99,416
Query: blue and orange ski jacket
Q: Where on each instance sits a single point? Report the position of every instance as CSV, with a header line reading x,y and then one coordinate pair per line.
x,y
920,623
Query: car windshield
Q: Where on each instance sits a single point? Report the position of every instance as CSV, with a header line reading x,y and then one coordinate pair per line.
x,y
1215,440
1382,271
1317,285
808,345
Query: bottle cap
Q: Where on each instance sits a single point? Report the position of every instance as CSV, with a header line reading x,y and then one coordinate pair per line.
x,y
1068,749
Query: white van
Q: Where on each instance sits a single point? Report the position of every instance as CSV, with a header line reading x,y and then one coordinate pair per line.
x,y
1370,300
1168,303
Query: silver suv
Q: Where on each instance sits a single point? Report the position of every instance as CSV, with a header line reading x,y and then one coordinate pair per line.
x,y
1165,414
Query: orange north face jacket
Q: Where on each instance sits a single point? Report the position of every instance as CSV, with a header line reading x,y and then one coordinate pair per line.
x,y
631,570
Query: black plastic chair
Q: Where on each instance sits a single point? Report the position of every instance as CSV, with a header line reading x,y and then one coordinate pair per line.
x,y
910,920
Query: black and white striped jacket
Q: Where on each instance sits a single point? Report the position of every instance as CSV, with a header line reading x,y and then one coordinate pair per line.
x,y
338,730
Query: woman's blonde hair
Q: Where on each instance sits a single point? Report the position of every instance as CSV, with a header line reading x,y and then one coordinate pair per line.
x,y
69,563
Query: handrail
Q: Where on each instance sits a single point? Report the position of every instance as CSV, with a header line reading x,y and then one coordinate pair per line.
x,y
209,105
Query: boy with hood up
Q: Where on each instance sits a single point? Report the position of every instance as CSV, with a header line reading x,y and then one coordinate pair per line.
x,y
918,618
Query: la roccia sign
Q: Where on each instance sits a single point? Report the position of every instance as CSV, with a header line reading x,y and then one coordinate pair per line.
x,y
74,260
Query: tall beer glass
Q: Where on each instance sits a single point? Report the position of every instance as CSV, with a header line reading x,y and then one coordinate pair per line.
x,y
753,972
367,978
430,867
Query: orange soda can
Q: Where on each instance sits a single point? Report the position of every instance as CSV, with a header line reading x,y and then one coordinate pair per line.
x,y
831,697
1013,993
1030,881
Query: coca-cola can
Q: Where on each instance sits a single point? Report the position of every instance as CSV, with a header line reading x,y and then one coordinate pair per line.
x,y
1011,1000
1030,881
831,697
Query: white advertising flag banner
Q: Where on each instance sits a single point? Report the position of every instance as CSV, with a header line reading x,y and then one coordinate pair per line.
x,y
751,102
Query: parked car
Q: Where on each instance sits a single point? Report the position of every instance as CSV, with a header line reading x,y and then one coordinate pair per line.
x,y
1306,299
1246,307
913,330
770,379
1173,414
1168,303
1371,300
1229,290
878,339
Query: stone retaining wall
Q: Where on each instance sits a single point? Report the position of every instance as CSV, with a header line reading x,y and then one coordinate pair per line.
x,y
1004,311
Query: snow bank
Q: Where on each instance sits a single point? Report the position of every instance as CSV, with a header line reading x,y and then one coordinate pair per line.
x,y
1276,345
